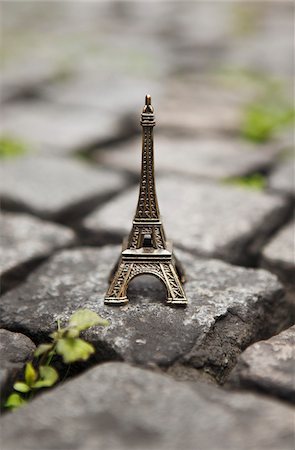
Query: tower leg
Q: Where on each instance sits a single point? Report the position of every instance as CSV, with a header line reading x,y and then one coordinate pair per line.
x,y
116,294
114,270
176,295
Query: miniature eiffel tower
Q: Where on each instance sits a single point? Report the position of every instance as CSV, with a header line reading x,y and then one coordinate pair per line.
x,y
146,250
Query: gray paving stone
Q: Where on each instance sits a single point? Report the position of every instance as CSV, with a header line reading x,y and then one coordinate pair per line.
x,y
283,178
234,38
229,308
53,129
25,239
202,24
25,76
279,256
15,350
210,219
200,105
56,187
212,104
268,366
268,47
104,93
41,45
116,406
215,158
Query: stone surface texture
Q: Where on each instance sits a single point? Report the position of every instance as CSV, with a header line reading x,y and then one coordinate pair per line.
x,y
201,157
102,93
115,406
209,219
25,76
283,178
15,350
229,308
268,366
52,129
25,238
202,104
279,254
54,187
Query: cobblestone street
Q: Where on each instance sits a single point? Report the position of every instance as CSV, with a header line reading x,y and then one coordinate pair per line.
x,y
219,374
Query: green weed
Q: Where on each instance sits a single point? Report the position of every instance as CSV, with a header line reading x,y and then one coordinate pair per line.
x,y
66,344
268,111
11,147
264,119
255,181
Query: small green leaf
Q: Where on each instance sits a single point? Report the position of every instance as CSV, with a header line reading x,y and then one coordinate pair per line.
x,y
84,318
15,401
42,348
73,333
48,377
21,387
73,349
30,374
58,334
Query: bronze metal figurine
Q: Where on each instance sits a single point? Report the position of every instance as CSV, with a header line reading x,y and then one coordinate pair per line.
x,y
146,250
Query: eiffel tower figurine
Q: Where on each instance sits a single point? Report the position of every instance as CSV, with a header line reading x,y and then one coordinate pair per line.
x,y
146,250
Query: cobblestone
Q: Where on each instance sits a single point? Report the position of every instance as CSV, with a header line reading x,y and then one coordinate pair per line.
x,y
83,412
104,95
278,255
53,129
283,178
268,366
25,240
15,350
56,188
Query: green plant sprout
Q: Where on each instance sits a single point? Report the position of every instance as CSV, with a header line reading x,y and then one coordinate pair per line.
x,y
11,147
66,343
270,109
263,119
255,181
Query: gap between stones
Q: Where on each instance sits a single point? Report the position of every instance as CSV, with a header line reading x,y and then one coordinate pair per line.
x,y
128,131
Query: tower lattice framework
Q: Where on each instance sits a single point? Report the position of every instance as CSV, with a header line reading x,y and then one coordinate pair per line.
x,y
146,250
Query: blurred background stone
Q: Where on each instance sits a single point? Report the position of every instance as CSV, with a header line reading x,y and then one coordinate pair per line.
x,y
283,178
56,188
278,255
25,241
53,129
268,366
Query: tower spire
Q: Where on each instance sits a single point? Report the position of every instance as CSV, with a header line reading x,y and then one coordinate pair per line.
x,y
147,206
148,105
